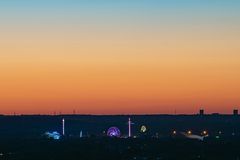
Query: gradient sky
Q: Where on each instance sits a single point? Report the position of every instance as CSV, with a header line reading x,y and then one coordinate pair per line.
x,y
119,56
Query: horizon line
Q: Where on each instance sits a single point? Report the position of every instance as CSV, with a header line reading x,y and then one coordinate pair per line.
x,y
160,114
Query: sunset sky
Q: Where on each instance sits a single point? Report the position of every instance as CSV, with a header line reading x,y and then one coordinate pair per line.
x,y
119,56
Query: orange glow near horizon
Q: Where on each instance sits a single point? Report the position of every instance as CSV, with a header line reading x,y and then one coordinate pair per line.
x,y
118,86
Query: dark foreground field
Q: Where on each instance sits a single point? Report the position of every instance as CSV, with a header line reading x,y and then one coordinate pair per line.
x,y
122,149
22,138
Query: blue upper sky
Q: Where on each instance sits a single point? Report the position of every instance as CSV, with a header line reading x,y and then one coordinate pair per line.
x,y
123,13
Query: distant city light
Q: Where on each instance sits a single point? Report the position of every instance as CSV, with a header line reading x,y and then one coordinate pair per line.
x,y
174,132
189,132
113,132
205,132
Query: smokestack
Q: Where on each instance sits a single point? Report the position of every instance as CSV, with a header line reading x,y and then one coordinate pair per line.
x,y
235,112
201,112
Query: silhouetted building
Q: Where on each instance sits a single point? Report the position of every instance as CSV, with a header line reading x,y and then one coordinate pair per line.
x,y
201,112
235,112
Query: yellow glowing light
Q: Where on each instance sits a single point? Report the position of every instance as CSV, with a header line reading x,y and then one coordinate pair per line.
x,y
143,129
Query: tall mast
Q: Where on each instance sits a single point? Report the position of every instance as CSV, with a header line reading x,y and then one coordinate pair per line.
x,y
63,127
129,127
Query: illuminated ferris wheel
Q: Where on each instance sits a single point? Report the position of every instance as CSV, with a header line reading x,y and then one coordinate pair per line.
x,y
113,132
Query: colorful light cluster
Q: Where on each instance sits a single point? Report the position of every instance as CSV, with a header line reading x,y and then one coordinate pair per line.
x,y
113,132
54,135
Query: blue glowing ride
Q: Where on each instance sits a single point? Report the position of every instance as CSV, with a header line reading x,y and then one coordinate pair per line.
x,y
53,135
